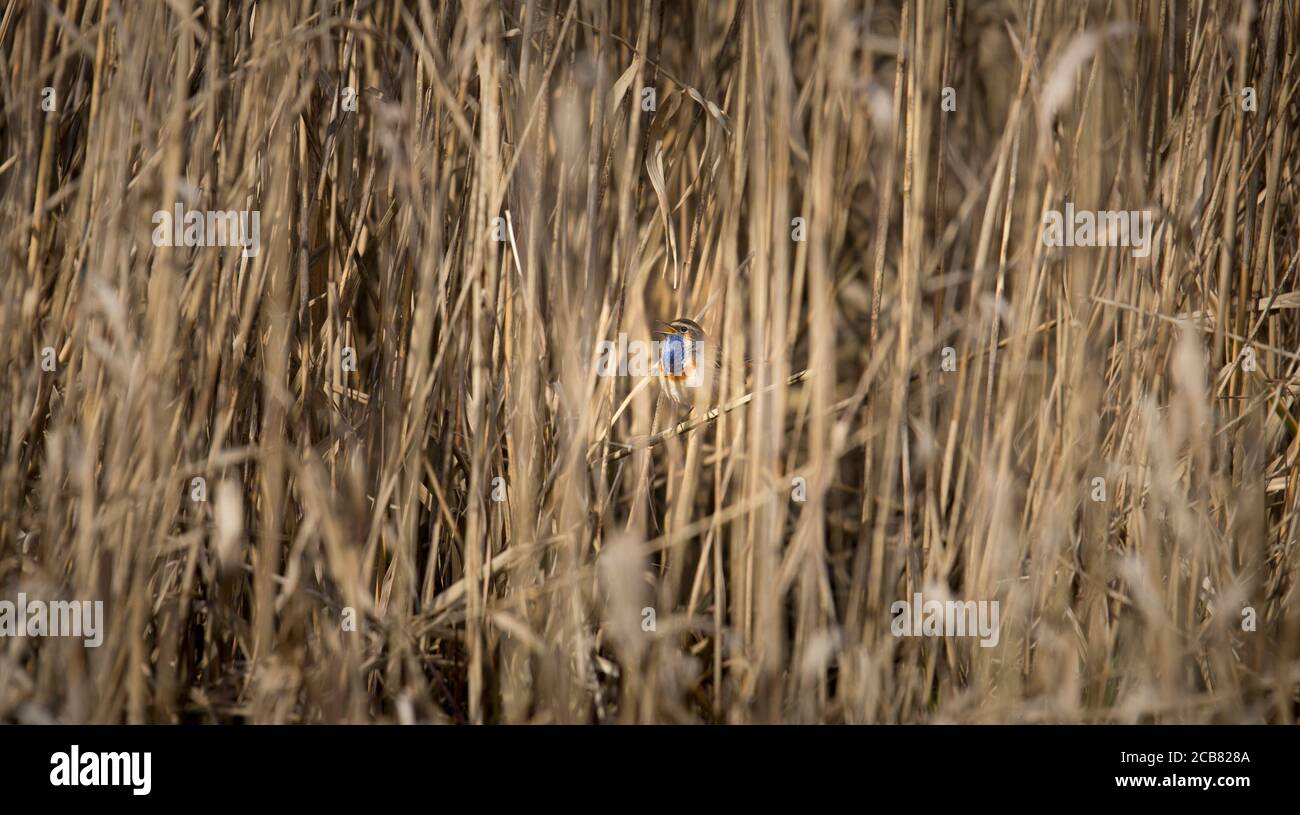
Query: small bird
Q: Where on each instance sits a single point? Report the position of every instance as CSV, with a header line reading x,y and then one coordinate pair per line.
x,y
687,368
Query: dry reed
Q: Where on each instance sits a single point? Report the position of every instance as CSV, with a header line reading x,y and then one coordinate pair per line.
x,y
967,384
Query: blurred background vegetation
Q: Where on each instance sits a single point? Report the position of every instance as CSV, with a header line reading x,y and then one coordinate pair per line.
x,y
381,141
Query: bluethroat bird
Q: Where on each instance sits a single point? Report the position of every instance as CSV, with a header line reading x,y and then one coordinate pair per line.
x,y
687,367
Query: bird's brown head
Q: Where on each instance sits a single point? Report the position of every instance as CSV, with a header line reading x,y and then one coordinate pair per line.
x,y
682,326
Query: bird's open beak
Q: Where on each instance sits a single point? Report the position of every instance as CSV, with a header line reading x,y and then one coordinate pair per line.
x,y
668,326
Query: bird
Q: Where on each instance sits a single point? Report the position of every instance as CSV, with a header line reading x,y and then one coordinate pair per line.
x,y
687,368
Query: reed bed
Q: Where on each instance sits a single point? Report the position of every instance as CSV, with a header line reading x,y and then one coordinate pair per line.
x,y
372,473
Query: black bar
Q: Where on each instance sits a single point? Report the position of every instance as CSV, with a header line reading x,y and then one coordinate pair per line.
x,y
230,766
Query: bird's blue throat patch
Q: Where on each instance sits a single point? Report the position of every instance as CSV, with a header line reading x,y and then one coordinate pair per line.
x,y
672,354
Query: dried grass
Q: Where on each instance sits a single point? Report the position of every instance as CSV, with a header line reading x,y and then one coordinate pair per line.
x,y
373,489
